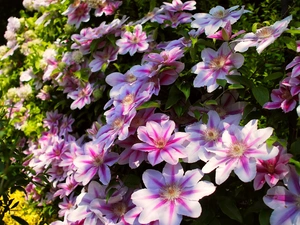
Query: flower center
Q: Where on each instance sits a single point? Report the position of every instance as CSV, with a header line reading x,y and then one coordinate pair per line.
x,y
211,134
237,149
129,99
98,161
160,143
217,63
264,32
118,123
171,192
220,14
270,167
286,95
119,209
130,78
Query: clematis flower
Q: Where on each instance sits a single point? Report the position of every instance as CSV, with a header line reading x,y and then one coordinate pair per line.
x,y
239,151
295,64
109,54
82,96
285,200
263,37
160,143
205,136
216,65
282,98
133,42
77,14
171,194
216,18
272,170
177,6
225,34
95,160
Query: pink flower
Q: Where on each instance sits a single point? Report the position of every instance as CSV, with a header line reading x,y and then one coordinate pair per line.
x,y
205,136
272,170
285,200
295,64
177,5
171,194
216,65
104,57
95,160
117,126
263,37
82,96
77,14
239,151
160,143
108,7
217,17
133,42
282,98
225,34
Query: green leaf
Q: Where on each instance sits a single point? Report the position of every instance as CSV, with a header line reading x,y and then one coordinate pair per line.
x,y
235,86
295,147
174,96
241,80
149,104
274,76
19,220
290,43
132,181
222,82
292,31
264,217
261,94
185,88
249,108
211,102
229,208
152,5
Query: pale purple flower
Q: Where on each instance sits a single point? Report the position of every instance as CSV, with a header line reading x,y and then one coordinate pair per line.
x,y
263,37
133,42
52,119
56,174
171,194
13,24
216,18
272,170
216,65
160,143
295,64
285,200
108,7
95,160
176,18
67,205
205,136
239,151
129,97
117,126
66,188
84,200
77,14
104,57
225,34
177,5
282,98
82,96
66,125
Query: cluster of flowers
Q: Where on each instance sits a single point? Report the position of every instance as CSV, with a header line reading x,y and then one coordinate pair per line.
x,y
134,134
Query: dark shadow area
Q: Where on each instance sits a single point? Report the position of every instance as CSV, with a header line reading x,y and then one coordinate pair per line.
x,y
8,8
